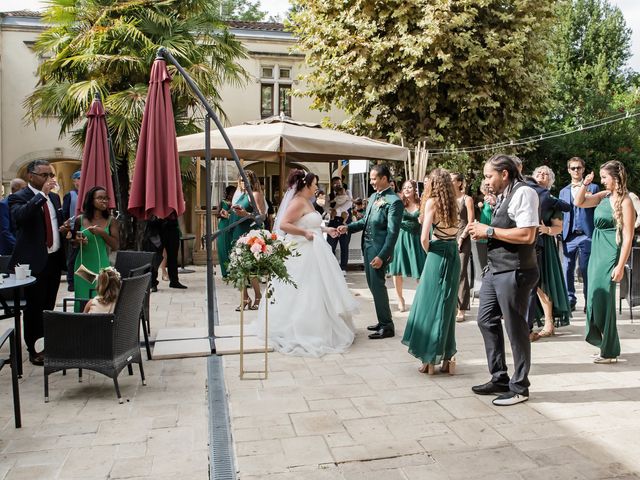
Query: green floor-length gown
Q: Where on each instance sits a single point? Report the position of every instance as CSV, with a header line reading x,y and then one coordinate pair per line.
x,y
244,227
408,254
601,292
430,330
223,242
552,280
94,256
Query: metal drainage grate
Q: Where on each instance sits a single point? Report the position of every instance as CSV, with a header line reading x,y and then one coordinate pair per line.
x,y
221,459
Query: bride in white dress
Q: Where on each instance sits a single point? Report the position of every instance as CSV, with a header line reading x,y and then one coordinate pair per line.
x,y
314,318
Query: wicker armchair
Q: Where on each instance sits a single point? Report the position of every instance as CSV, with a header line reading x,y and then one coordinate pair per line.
x,y
127,260
12,361
104,343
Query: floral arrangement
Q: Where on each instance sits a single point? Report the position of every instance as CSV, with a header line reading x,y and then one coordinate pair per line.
x,y
260,253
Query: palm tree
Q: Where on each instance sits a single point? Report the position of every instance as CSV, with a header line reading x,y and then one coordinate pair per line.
x,y
108,46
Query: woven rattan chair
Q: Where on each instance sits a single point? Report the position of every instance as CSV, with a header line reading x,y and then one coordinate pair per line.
x,y
104,343
127,260
10,336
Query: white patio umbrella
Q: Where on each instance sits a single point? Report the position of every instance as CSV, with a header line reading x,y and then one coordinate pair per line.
x,y
278,139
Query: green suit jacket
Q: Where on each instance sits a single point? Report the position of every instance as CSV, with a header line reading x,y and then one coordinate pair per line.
x,y
381,223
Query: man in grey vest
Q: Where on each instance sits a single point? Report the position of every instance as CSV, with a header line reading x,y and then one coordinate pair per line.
x,y
511,274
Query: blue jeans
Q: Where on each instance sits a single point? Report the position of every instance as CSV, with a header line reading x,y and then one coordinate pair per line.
x,y
575,247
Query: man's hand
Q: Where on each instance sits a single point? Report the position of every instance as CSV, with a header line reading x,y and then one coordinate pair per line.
x,y
376,263
48,186
332,232
476,230
342,229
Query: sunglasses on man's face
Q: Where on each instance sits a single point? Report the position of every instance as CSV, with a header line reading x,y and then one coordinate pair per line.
x,y
44,175
575,169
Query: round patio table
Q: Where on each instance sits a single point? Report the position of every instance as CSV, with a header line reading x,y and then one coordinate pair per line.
x,y
11,284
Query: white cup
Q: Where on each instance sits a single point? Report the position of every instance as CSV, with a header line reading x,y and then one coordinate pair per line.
x,y
25,266
27,272
21,273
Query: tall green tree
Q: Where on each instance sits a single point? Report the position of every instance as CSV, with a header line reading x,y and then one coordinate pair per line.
x,y
590,81
451,73
107,47
244,10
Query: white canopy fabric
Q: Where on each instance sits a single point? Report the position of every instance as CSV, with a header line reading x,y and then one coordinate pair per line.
x,y
267,139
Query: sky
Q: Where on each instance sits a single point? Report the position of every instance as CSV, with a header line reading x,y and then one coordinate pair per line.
x,y
630,10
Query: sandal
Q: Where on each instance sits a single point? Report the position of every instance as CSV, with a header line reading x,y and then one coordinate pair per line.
x,y
427,368
448,366
246,305
401,305
256,304
546,333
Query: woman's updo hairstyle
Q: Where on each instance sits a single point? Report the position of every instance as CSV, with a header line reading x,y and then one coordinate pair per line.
x,y
298,179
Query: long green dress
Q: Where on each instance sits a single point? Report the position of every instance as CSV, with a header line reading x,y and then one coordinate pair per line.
x,y
430,330
94,256
244,227
408,254
223,242
552,280
601,293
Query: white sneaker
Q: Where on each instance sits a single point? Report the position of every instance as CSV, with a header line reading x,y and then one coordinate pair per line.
x,y
510,398
600,359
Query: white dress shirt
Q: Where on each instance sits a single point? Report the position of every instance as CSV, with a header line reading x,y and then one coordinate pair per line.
x,y
54,220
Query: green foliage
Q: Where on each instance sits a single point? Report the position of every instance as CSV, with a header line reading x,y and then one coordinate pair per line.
x,y
591,45
244,10
108,46
260,254
451,73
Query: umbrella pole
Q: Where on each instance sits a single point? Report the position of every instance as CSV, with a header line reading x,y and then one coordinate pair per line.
x,y
209,234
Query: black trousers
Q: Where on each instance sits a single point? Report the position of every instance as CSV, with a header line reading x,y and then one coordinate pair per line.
x,y
344,248
41,296
169,240
506,296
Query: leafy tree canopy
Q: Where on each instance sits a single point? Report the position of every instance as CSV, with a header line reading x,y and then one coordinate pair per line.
x,y
244,10
108,46
590,81
451,73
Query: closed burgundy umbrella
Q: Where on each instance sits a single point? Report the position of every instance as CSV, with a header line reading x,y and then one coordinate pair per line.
x,y
157,187
96,168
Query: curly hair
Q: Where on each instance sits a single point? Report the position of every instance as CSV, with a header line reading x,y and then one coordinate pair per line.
x,y
544,168
298,179
415,199
109,284
617,171
439,186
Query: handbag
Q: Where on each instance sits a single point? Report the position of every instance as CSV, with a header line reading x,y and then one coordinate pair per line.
x,y
82,271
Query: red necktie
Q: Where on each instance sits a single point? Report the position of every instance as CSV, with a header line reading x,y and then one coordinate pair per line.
x,y
47,224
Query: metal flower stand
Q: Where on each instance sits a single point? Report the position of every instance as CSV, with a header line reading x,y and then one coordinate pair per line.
x,y
261,374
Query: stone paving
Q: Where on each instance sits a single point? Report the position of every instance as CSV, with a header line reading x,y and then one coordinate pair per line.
x,y
160,432
365,414
369,413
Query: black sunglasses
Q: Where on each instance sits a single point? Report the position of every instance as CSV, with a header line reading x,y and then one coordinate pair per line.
x,y
44,175
575,169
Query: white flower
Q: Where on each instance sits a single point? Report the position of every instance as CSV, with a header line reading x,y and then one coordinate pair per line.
x,y
269,250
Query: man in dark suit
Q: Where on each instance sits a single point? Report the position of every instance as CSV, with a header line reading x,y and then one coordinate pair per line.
x,y
7,236
36,214
69,204
577,228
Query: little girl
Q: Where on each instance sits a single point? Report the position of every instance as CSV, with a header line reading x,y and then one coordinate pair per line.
x,y
108,288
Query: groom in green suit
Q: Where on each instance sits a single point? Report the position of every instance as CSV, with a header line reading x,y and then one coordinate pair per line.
x,y
381,225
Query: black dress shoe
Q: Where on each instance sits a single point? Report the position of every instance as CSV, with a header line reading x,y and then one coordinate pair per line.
x,y
36,359
177,285
489,388
374,328
154,288
382,333
572,307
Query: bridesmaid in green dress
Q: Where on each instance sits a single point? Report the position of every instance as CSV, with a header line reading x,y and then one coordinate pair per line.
x,y
96,231
430,330
408,256
242,207
552,291
614,220
223,242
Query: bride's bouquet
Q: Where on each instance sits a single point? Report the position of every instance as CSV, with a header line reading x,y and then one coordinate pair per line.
x,y
261,254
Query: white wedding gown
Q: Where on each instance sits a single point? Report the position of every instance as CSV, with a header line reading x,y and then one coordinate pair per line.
x,y
314,318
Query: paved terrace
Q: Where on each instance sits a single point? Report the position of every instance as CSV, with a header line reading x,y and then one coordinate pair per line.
x,y
366,414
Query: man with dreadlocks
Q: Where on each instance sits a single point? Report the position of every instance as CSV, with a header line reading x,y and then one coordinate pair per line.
x,y
511,274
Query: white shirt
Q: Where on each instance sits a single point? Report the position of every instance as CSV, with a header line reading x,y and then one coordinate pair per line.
x,y
54,221
523,207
